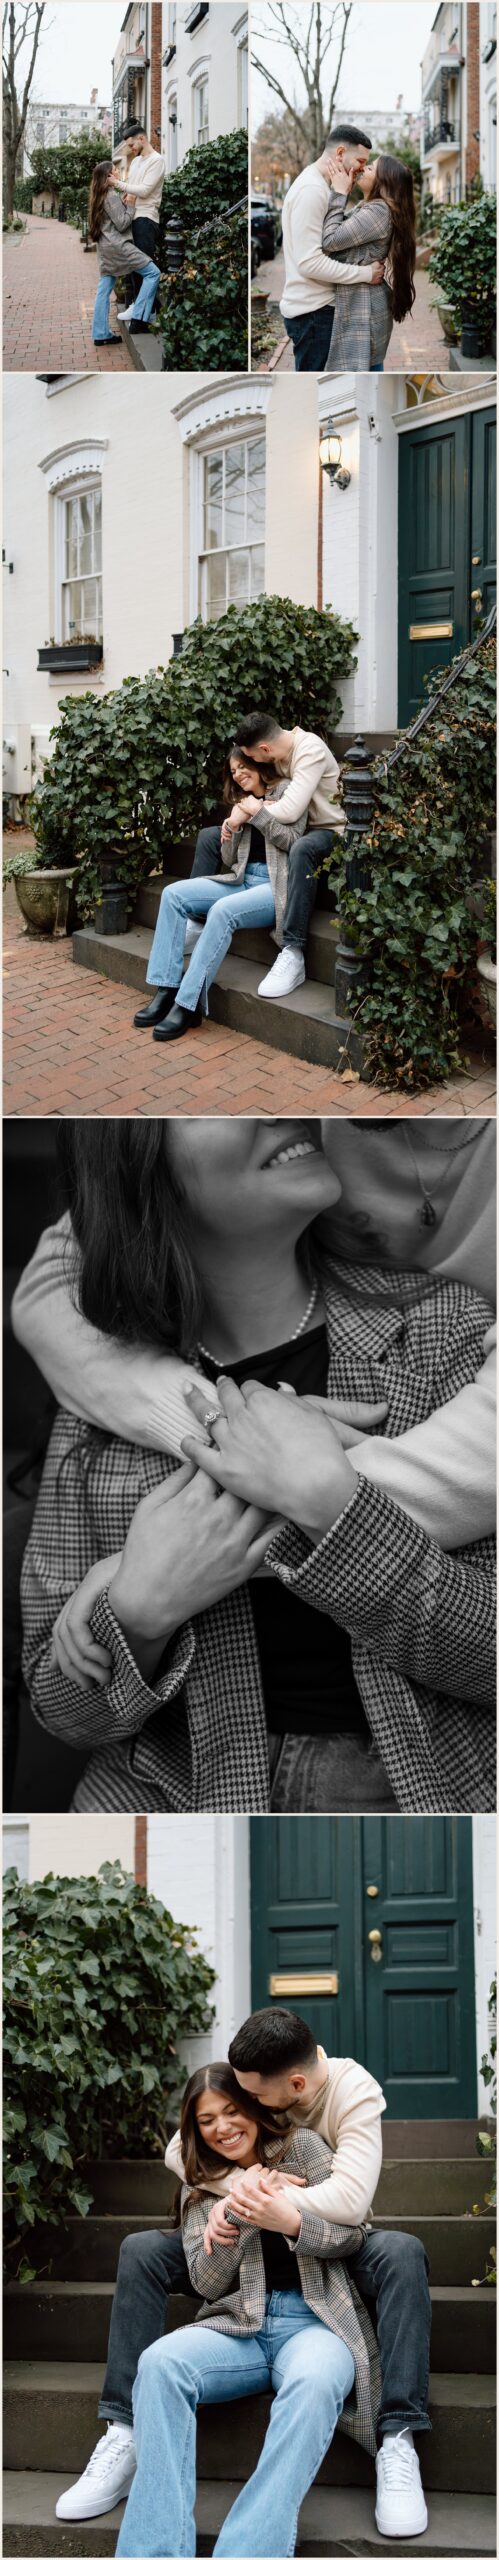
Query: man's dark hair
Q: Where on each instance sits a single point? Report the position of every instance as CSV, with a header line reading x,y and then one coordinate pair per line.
x,y
258,725
348,133
272,2040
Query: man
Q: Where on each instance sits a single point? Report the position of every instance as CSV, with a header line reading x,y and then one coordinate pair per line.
x,y
274,2053
310,277
142,187
312,776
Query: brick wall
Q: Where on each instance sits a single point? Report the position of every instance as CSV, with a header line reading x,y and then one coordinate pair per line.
x,y
155,76
141,1848
472,145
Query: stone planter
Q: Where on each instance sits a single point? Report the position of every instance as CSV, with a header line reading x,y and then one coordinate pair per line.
x,y
43,897
487,973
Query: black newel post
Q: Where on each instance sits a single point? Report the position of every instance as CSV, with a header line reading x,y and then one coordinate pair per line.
x,y
111,908
174,246
358,803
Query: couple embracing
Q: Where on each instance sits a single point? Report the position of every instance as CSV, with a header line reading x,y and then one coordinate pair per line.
x,y
123,223
282,814
278,2159
349,270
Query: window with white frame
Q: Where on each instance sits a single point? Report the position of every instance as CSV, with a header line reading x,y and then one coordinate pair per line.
x,y
172,114
200,111
79,562
232,554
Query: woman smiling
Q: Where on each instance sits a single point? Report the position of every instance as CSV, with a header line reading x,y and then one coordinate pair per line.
x,y
265,1627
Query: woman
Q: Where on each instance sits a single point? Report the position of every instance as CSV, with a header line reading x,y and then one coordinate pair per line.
x,y
110,225
383,226
250,891
277,2312
357,1673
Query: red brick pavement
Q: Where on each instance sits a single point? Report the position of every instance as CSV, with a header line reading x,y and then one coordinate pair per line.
x,y
69,1048
49,288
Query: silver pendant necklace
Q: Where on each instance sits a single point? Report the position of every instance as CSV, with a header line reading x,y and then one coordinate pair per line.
x,y
428,1215
292,1337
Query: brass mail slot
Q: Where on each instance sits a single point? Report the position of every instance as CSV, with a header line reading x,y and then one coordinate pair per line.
x,y
431,630
300,1982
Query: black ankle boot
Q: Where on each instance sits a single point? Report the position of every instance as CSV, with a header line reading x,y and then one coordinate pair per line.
x,y
179,1020
156,1010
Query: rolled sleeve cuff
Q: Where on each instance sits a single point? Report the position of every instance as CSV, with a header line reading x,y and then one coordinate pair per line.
x,y
132,1697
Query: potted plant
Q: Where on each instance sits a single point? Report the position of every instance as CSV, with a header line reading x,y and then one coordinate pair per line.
x,y
482,906
464,264
63,656
43,895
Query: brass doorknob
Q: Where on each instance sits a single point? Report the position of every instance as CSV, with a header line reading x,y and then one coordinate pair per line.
x,y
476,595
374,1937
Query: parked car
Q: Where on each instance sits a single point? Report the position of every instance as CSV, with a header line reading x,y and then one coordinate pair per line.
x,y
266,227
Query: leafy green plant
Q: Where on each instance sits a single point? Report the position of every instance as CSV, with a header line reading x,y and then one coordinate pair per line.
x,y
64,170
15,866
411,923
100,1986
141,768
204,310
487,2137
464,262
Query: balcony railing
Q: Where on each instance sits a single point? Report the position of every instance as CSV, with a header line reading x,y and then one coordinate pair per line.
x,y
437,134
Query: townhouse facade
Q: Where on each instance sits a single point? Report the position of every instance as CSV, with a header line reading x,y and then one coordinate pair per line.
x,y
458,84
181,70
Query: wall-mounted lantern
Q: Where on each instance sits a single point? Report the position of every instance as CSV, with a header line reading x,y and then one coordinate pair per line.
x,y
330,456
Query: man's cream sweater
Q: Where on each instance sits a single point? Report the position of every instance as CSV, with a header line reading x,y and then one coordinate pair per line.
x,y
311,277
312,777
346,2110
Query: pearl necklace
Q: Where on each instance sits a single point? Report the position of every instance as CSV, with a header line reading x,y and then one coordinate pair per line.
x,y
293,1337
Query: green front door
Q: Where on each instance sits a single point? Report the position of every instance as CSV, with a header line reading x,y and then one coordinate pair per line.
x,y
366,1927
446,546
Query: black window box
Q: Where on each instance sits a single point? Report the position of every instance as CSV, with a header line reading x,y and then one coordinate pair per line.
x,y
195,15
62,658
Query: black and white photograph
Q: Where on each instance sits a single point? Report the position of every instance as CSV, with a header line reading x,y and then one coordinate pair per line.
x,y
250,1522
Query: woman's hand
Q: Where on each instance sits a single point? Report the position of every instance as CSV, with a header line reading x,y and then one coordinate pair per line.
x,y
270,1449
378,273
260,2198
351,1421
187,1548
342,179
77,1653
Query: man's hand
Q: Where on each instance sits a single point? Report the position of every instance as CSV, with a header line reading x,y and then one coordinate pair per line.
x,y
259,2199
351,1421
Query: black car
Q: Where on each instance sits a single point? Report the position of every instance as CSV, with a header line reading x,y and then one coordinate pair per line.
x,y
266,227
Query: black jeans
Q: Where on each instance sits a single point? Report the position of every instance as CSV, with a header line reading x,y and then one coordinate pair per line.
x,y
304,863
390,2271
146,235
311,338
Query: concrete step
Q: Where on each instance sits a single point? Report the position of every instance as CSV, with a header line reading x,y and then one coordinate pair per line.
x,y
456,2245
439,2138
430,2186
48,2319
256,946
333,2523
50,2416
304,1025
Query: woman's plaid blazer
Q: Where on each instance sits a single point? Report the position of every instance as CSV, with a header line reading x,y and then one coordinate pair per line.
x,y
422,1622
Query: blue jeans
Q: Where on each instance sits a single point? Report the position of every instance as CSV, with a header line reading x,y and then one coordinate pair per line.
x,y
141,309
311,2374
311,338
225,908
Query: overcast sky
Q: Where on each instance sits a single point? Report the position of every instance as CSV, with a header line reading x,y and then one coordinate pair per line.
x,y
381,63
75,52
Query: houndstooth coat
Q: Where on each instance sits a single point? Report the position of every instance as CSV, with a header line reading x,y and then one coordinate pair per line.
x,y
422,1622
325,2283
363,321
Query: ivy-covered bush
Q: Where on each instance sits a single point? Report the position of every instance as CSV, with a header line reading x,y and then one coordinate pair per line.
x,y
141,768
65,170
464,263
100,1986
204,310
413,924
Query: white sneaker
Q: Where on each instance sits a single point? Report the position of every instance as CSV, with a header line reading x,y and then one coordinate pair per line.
x,y
400,2503
108,2477
288,972
193,932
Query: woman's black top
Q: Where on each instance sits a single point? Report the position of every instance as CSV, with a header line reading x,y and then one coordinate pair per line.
x,y
305,1658
282,2273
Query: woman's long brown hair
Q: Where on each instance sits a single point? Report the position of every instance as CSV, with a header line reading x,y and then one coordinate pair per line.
x,y
231,789
99,185
198,2156
394,183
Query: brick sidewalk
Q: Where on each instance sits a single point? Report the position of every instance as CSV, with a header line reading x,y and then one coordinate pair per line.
x,y
49,288
69,1048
